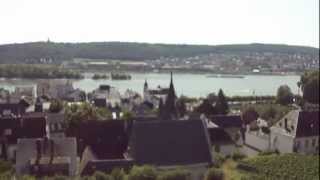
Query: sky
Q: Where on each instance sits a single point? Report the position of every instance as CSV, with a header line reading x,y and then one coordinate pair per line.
x,y
213,22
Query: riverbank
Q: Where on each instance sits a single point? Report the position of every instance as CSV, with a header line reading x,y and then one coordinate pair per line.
x,y
192,85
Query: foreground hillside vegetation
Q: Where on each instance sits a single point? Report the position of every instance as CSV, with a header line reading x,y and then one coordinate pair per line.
x,y
287,166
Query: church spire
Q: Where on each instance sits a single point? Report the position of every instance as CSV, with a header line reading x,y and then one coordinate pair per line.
x,y
170,104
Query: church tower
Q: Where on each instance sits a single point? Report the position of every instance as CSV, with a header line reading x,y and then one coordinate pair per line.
x,y
146,91
170,112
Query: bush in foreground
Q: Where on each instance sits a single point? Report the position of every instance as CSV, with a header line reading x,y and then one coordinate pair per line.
x,y
143,173
214,174
178,174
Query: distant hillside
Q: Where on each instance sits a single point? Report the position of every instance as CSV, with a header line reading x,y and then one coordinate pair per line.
x,y
29,52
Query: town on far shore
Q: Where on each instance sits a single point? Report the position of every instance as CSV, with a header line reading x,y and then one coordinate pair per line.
x,y
54,130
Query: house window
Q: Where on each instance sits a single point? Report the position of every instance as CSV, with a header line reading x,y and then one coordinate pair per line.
x,y
307,143
313,142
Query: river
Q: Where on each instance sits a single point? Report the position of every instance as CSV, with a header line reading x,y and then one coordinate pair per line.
x,y
193,85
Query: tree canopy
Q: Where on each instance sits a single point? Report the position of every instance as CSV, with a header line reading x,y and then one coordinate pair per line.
x,y
309,84
284,95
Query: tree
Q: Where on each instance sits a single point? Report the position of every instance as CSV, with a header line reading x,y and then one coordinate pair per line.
x,y
249,114
221,106
181,107
206,108
269,113
284,95
212,98
55,106
309,84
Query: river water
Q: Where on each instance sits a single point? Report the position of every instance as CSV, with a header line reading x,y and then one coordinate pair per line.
x,y
193,85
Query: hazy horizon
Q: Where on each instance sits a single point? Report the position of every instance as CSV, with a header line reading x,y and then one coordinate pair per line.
x,y
195,22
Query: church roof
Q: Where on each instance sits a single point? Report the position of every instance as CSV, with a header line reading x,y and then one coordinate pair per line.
x,y
170,142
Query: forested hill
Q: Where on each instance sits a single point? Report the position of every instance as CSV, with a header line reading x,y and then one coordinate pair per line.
x,y
28,52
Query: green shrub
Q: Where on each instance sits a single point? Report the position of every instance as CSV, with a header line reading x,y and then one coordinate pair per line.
x,y
27,177
118,174
58,177
214,174
178,174
102,176
238,156
265,153
143,173
218,160
5,167
88,178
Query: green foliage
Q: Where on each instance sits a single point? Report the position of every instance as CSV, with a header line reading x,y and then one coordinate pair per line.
x,y
252,98
287,166
128,115
214,174
36,71
6,176
284,95
99,76
222,106
269,112
102,176
59,177
206,108
76,113
238,156
56,106
118,174
143,173
5,167
27,177
219,159
177,174
309,84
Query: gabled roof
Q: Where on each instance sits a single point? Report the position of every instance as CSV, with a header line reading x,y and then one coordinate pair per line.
x,y
107,139
167,143
308,124
227,121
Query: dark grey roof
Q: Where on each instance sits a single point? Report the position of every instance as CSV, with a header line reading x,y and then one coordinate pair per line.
x,y
107,139
308,124
227,121
170,142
